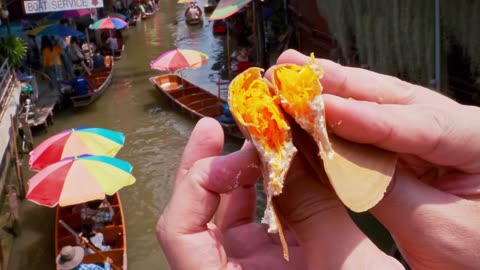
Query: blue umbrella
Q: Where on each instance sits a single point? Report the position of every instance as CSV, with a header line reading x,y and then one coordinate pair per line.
x,y
54,30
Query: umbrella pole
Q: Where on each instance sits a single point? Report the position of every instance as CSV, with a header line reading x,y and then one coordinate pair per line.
x,y
88,43
90,245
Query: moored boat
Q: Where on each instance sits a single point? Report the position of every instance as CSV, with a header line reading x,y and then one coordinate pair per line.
x,y
196,101
193,15
100,79
114,233
209,7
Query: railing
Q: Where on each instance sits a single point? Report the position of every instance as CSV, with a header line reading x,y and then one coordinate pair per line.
x,y
7,82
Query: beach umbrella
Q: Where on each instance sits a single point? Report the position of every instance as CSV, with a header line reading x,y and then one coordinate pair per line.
x,y
117,15
67,14
54,30
76,142
109,23
179,59
79,179
226,8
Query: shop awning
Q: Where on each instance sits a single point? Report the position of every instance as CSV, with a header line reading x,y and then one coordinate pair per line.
x,y
226,8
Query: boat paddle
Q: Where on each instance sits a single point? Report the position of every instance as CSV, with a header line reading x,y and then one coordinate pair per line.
x,y
90,245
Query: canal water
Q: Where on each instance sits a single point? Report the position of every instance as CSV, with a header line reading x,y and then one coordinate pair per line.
x,y
155,136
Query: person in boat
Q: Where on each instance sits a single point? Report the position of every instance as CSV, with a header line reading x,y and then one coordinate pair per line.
x,y
100,211
70,258
227,116
77,56
112,42
98,59
432,198
89,234
80,84
193,12
240,59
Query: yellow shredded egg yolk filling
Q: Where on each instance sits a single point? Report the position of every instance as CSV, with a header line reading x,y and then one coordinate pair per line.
x,y
256,108
298,85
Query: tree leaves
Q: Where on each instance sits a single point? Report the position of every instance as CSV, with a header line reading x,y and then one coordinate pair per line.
x,y
13,48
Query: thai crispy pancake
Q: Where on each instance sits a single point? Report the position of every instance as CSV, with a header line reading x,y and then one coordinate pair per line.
x,y
262,120
359,174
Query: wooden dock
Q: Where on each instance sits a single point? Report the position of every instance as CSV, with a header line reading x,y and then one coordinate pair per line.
x,y
40,115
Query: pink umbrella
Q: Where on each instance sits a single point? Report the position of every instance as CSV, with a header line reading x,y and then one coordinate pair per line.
x,y
67,14
179,59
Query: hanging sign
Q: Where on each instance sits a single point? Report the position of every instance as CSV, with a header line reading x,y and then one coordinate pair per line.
x,y
38,6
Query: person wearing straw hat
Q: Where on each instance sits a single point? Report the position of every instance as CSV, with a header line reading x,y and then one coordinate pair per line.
x,y
70,258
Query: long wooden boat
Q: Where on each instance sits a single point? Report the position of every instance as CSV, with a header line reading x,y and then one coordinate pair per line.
x,y
209,7
100,79
193,21
195,101
114,233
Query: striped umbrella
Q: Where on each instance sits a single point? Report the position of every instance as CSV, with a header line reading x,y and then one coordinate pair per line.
x,y
76,142
179,59
80,179
109,23
226,8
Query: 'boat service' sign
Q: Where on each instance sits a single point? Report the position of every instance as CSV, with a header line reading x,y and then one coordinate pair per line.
x,y
38,6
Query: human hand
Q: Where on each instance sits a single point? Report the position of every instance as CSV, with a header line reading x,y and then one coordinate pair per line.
x,y
109,260
430,210
188,237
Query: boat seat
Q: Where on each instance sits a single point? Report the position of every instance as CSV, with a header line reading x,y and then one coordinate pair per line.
x,y
180,92
194,97
211,111
199,104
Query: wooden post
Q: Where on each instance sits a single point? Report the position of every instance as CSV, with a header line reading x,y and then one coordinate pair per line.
x,y
18,162
27,135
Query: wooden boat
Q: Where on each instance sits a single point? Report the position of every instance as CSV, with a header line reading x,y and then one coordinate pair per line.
x,y
147,15
195,101
117,54
193,20
219,27
114,233
209,7
100,78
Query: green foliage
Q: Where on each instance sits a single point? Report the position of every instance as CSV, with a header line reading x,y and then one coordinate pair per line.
x,y
13,48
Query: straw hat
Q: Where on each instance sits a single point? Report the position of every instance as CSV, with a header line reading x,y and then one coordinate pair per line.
x,y
70,257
